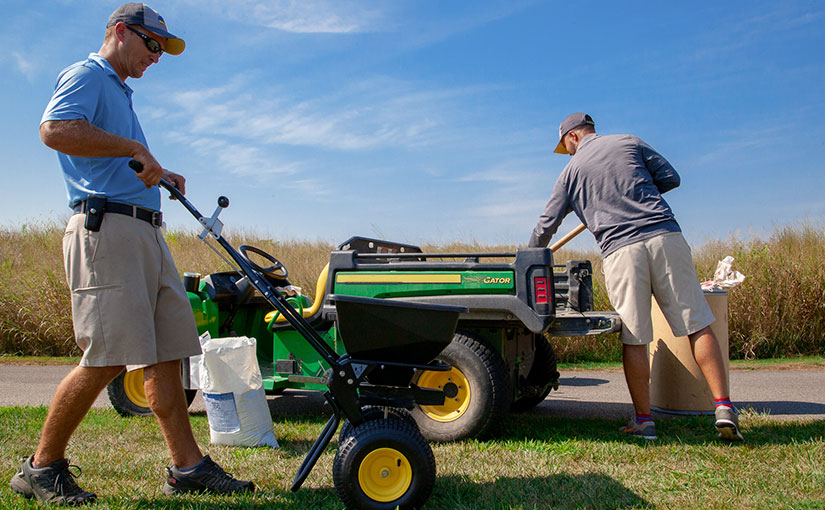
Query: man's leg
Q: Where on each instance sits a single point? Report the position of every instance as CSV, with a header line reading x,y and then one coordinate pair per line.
x,y
708,356
637,374
164,390
627,278
74,397
191,471
46,475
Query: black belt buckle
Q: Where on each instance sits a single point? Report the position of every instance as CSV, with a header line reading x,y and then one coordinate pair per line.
x,y
157,219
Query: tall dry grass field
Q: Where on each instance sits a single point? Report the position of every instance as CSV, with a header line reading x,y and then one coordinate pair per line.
x,y
35,308
780,308
779,311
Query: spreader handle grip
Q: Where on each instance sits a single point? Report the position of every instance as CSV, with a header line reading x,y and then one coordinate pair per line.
x,y
135,165
174,192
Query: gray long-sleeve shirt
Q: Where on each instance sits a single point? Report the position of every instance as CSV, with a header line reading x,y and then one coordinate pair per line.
x,y
614,184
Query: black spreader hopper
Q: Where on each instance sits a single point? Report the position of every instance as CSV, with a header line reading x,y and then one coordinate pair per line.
x,y
394,331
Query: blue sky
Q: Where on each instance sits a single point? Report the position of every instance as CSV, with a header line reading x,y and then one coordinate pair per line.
x,y
434,121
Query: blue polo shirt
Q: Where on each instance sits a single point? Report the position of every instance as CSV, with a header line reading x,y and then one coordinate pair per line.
x,y
92,90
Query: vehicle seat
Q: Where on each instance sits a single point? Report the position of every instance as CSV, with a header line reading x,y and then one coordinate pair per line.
x,y
320,290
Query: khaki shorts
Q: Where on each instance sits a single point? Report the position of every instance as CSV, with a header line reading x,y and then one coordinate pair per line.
x,y
661,266
128,303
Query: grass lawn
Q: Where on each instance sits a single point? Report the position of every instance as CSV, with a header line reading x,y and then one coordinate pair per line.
x,y
531,462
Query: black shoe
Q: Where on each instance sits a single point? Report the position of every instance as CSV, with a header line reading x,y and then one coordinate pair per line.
x,y
51,484
207,477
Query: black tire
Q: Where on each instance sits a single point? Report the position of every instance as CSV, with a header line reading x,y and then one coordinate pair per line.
x,y
128,398
375,413
472,411
542,378
383,465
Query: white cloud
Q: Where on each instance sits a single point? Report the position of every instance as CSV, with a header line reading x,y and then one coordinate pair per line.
x,y
510,210
360,16
309,187
25,66
514,173
242,159
469,16
302,16
744,142
273,132
377,115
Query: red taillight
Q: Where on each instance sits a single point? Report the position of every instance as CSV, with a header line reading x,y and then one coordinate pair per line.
x,y
540,290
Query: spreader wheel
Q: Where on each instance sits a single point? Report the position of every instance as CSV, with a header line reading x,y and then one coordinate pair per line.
x,y
128,397
384,464
477,392
375,413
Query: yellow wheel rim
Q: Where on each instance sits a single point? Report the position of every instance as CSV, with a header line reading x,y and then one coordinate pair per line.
x,y
133,387
385,475
454,406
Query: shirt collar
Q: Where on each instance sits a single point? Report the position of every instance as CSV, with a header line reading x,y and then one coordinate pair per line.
x,y
108,69
585,140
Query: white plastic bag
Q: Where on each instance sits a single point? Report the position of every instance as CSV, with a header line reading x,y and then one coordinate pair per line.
x,y
724,277
233,392
195,368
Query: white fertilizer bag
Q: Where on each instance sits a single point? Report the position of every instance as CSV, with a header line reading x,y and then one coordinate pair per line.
x,y
234,394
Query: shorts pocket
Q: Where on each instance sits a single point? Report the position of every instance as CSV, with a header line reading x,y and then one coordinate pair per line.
x,y
93,320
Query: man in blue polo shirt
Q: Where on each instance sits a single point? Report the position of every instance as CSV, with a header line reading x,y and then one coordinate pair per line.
x,y
129,308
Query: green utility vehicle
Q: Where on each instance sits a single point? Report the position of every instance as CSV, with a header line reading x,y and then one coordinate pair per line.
x,y
500,355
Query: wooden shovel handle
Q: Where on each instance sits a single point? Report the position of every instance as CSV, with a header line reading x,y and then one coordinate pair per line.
x,y
564,240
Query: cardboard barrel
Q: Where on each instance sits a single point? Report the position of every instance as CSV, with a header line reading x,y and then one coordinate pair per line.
x,y
677,384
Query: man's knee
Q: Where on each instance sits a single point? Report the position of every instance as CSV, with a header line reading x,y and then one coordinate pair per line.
x,y
162,370
98,376
163,386
634,350
707,330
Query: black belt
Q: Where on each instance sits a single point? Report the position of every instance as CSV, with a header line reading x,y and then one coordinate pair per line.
x,y
155,218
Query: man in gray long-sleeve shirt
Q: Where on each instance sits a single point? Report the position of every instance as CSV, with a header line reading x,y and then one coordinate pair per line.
x,y
614,184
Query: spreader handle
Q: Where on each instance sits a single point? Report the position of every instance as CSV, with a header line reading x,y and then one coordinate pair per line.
x,y
135,165
174,192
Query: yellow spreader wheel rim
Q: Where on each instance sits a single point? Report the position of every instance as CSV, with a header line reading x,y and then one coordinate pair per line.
x,y
385,475
454,406
133,387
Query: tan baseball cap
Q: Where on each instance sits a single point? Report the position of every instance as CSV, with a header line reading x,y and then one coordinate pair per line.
x,y
572,121
148,18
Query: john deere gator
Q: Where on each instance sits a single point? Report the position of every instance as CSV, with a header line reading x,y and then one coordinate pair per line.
x,y
501,355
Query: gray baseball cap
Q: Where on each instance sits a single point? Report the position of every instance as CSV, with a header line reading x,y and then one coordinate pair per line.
x,y
572,121
148,18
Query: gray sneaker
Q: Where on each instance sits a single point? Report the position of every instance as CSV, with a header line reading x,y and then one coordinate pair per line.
x,y
727,424
208,477
646,430
50,484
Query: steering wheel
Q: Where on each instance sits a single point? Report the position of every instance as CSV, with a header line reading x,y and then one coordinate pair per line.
x,y
268,271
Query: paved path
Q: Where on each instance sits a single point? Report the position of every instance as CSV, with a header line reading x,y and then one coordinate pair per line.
x,y
784,394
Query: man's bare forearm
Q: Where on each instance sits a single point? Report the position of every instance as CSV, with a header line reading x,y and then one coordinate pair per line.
x,y
80,138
